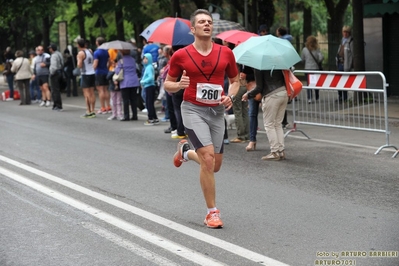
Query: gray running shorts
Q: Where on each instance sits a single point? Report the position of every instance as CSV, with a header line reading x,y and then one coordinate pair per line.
x,y
204,125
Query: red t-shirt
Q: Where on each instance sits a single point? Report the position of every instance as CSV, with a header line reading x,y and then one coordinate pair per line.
x,y
210,69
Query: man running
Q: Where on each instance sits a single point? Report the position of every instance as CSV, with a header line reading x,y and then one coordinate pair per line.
x,y
202,67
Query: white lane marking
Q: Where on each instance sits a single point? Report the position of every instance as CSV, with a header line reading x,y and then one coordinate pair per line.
x,y
235,249
148,236
140,251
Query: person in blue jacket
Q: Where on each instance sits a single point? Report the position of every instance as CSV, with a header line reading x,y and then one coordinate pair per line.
x,y
148,84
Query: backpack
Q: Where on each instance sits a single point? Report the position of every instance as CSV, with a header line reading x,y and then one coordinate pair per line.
x,y
292,84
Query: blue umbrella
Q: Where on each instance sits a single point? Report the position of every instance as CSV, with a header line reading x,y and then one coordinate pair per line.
x,y
173,31
266,53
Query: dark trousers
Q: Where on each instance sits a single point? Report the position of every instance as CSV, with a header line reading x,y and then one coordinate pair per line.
x,y
129,98
149,102
171,111
10,82
23,87
177,100
55,90
71,81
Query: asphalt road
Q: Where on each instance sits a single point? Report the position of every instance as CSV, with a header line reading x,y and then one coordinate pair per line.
x,y
79,191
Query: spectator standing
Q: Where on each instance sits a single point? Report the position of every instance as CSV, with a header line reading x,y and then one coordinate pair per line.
x,y
42,72
88,79
9,58
129,86
114,90
313,58
344,57
240,110
56,69
100,65
271,84
148,84
69,65
35,92
23,74
247,74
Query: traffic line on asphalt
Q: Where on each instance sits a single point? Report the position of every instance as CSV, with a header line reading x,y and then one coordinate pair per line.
x,y
140,251
230,247
148,236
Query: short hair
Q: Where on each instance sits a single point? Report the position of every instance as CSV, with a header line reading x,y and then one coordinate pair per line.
x,y
346,29
197,12
100,40
282,31
263,27
81,42
19,53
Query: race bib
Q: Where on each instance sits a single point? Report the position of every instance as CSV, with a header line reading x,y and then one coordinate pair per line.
x,y
209,93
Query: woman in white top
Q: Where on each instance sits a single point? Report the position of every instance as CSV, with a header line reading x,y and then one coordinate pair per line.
x,y
23,73
313,58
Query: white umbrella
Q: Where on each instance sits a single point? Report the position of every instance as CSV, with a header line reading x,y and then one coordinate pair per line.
x,y
119,45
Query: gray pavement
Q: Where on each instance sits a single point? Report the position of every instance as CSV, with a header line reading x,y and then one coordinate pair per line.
x,y
339,136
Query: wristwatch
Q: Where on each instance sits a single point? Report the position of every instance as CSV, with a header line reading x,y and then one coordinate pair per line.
x,y
232,97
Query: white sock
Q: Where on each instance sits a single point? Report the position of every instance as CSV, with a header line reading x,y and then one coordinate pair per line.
x,y
185,155
212,209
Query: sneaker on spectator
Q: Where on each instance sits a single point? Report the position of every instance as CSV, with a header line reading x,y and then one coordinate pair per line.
x,y
168,130
48,103
212,220
156,121
182,147
108,110
273,156
9,99
102,111
144,110
282,155
43,103
112,117
176,136
149,123
164,120
174,131
86,115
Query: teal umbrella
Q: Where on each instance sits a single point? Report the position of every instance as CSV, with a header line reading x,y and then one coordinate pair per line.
x,y
266,53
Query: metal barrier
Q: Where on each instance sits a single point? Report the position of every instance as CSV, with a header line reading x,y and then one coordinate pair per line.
x,y
365,109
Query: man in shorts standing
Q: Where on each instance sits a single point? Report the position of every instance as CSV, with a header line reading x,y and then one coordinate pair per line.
x,y
202,67
41,73
100,65
85,63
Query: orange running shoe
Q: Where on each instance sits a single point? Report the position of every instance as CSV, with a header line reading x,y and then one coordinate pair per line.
x,y
212,220
182,146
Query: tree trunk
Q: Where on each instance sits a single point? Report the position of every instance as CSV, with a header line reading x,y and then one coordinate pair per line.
x,y
358,36
358,46
334,28
46,32
307,23
120,29
176,10
81,19
266,12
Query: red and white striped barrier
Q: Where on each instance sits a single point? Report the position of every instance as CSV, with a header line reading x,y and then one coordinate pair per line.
x,y
334,81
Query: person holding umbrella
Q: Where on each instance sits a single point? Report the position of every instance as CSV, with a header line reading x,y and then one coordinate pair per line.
x,y
269,56
202,66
